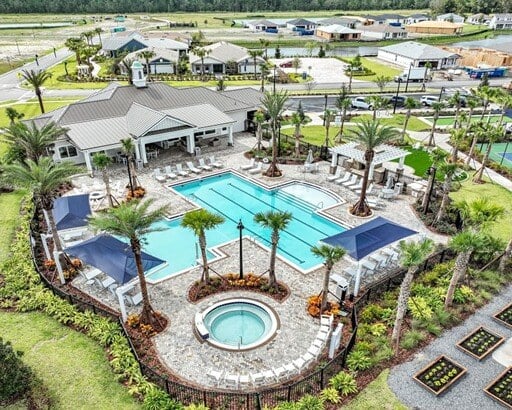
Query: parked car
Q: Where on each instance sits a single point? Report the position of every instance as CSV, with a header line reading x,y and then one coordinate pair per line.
x,y
400,100
286,64
360,102
463,100
428,100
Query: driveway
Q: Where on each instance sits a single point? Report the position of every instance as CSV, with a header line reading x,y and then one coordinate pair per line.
x,y
323,70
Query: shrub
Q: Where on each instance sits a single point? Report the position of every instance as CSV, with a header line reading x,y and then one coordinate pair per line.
x,y
15,376
344,382
358,360
439,275
412,338
463,295
309,402
157,399
330,394
419,308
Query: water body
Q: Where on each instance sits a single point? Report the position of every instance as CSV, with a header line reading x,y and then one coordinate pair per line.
x,y
337,51
488,42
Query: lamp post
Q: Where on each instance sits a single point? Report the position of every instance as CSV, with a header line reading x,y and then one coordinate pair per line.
x,y
37,59
440,94
274,89
325,107
432,173
396,95
241,227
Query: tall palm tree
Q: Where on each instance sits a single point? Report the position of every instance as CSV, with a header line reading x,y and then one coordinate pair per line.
x,y
13,115
504,99
331,255
32,141
43,178
102,161
493,133
328,117
273,105
87,35
276,221
75,44
381,81
132,220
264,45
264,72
456,101
369,134
471,103
126,63
479,131
457,136
438,156
485,94
342,103
479,213
449,170
199,221
201,52
259,119
409,104
377,103
412,256
98,31
297,121
147,55
128,149
437,107
254,54
36,78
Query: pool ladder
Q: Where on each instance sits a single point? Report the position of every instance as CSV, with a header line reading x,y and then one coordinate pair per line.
x,y
240,342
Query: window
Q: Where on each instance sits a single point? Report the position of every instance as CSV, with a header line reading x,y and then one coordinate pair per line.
x,y
68,152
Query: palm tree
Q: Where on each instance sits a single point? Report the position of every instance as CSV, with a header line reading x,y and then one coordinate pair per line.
x,y
273,105
254,54
328,117
331,255
377,103
479,213
457,136
297,121
13,115
479,131
412,256
492,133
486,94
36,78
32,141
102,162
471,103
409,104
264,44
456,101
342,103
437,107
133,220
296,63
504,99
128,148
199,221
505,259
98,31
369,134
126,63
88,52
75,45
201,52
276,221
438,156
147,55
381,81
43,178
264,72
259,119
449,170
87,35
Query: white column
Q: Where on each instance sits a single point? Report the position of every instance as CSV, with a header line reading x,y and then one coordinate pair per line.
x,y
143,153
88,164
44,238
230,136
370,174
191,144
358,279
137,151
401,162
122,307
334,160
56,255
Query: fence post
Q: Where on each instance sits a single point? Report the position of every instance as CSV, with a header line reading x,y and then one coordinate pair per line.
x,y
258,402
322,378
442,255
289,395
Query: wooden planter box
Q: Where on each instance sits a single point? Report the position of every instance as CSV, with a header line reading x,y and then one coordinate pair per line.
x,y
504,316
480,342
439,375
500,388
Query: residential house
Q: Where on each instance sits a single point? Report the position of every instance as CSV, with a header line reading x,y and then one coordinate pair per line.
x,y
163,62
301,24
113,46
336,32
390,18
383,32
435,27
502,21
225,58
416,18
262,25
341,21
148,113
450,17
413,54
479,18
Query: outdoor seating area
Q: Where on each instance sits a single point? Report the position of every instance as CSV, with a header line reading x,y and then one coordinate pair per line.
x,y
171,173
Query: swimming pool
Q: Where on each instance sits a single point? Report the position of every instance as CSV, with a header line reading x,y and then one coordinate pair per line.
x,y
237,198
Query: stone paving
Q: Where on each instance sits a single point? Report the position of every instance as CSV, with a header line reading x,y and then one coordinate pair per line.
x,y
179,348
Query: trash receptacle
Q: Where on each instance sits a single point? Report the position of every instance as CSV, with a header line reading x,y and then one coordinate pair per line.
x,y
304,75
197,151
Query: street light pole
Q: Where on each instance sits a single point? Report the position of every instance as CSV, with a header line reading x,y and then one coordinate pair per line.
x,y
241,227
325,107
441,94
274,89
396,95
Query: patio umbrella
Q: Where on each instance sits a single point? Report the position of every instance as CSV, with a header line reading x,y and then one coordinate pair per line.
x,y
309,158
71,211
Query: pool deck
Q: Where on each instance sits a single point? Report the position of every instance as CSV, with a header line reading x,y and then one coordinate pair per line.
x,y
178,346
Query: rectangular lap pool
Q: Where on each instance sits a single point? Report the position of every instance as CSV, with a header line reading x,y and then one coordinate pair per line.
x,y
236,198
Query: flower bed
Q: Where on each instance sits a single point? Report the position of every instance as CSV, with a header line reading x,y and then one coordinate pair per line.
x,y
501,388
505,316
480,343
439,375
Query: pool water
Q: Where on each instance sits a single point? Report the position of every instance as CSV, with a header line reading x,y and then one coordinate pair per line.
x,y
236,198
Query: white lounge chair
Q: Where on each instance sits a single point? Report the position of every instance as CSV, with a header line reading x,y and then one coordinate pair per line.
x,y
134,300
299,363
232,380
215,376
375,203
90,273
243,381
269,374
203,165
353,184
368,190
193,168
256,170
314,351
181,171
157,173
257,378
359,185
251,165
168,172
280,372
337,175
343,179
351,181
214,163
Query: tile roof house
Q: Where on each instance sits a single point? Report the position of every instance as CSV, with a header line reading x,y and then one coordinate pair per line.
x,y
225,58
152,113
262,25
501,21
335,32
413,54
112,46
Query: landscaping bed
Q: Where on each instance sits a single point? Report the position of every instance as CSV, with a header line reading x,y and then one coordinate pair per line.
x,y
480,343
439,375
501,388
504,316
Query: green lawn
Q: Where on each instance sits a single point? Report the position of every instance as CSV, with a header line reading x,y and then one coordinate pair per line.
x,y
315,134
417,159
378,68
30,109
376,395
444,121
497,194
414,124
10,205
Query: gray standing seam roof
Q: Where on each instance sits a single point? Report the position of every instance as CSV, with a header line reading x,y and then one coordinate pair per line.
x,y
248,95
412,49
210,116
140,119
97,134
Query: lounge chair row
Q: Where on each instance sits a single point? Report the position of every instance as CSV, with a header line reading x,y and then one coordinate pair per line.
x,y
171,172
254,167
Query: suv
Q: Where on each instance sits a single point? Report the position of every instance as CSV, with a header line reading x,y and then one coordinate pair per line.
x,y
429,100
400,100
462,98
360,102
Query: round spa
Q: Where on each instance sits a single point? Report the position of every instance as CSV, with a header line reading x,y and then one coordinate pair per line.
x,y
237,324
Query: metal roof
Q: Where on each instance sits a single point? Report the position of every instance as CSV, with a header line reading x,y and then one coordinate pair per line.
x,y
139,119
98,134
414,50
209,115
247,95
166,54
224,52
383,153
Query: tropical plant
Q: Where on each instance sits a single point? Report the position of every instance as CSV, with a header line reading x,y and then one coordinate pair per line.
x,y
128,149
254,54
412,255
344,382
276,221
259,119
199,221
98,31
409,104
449,170
504,99
36,78
438,156
437,107
328,117
297,121
485,94
264,45
87,35
13,115
457,137
15,377
273,106
264,72
331,255
369,134
493,132
102,161
147,55
296,63
75,44
381,81
126,63
201,52
377,103
456,101
133,220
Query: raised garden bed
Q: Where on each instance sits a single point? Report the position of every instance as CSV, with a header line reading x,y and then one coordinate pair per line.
x,y
480,343
500,389
504,316
439,375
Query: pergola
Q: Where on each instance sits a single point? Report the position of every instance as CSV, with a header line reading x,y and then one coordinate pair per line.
x,y
383,153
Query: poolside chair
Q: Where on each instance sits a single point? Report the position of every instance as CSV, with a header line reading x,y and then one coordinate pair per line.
x,y
337,175
375,203
257,378
314,351
90,273
359,185
214,163
256,170
280,372
157,174
351,181
251,165
368,191
290,369
299,363
243,381
215,376
354,184
193,168
203,165
232,380
307,357
181,171
134,300
269,374
168,172
343,179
